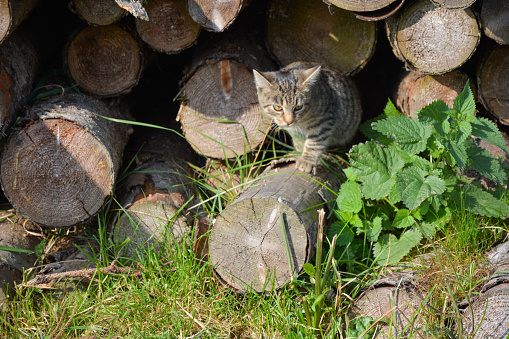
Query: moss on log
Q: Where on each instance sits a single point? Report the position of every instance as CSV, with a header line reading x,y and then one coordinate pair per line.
x,y
305,30
59,168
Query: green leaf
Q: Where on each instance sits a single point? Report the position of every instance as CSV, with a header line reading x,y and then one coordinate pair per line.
x,y
367,129
403,219
429,229
373,228
390,250
435,114
464,103
391,111
458,152
464,130
480,202
485,164
377,167
485,129
412,135
345,233
415,187
309,269
349,197
15,249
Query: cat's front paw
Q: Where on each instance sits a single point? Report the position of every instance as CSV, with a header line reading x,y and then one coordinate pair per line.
x,y
306,166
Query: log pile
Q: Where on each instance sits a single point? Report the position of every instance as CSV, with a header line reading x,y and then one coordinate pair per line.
x,y
61,157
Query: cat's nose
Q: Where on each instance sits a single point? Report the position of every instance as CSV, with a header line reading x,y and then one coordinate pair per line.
x,y
288,120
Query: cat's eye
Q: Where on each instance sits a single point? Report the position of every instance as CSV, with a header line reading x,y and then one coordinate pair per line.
x,y
297,108
277,108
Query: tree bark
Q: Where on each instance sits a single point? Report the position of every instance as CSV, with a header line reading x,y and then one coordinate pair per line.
x,y
453,4
213,15
495,20
19,63
59,168
13,13
154,197
305,30
418,90
104,60
98,12
170,28
493,81
247,244
219,112
434,40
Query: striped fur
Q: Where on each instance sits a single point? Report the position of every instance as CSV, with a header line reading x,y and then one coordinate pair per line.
x,y
315,104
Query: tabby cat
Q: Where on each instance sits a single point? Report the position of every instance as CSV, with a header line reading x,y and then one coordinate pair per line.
x,y
314,103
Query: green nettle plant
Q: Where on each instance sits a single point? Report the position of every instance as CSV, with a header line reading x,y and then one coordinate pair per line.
x,y
403,183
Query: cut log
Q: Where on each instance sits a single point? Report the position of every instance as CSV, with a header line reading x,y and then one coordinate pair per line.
x,y
134,7
382,13
19,63
98,12
60,167
493,81
170,28
247,242
453,4
104,60
361,5
219,112
12,264
434,40
13,13
418,90
213,15
154,197
495,20
305,30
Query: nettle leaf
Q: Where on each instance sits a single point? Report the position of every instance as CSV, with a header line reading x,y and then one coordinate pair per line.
x,y
349,197
390,250
412,135
391,111
463,130
458,152
377,167
373,228
345,233
485,129
403,219
415,187
309,269
480,202
367,129
464,103
435,114
485,164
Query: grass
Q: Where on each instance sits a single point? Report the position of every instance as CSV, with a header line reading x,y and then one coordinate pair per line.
x,y
174,294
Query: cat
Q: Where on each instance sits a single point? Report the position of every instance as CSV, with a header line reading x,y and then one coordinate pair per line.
x,y
312,102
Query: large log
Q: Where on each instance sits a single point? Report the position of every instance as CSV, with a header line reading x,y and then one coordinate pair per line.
x,y
369,10
213,15
417,90
104,60
493,81
153,198
60,167
453,4
170,28
305,30
434,40
99,12
247,241
495,20
13,13
219,112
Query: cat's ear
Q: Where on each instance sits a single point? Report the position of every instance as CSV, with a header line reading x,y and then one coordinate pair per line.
x,y
260,80
310,76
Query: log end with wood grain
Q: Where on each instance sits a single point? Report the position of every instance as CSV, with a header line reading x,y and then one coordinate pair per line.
x,y
13,13
104,60
60,167
98,12
307,31
495,20
273,220
215,16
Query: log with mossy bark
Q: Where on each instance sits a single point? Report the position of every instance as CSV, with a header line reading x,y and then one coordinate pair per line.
x,y
305,30
263,238
219,112
493,82
170,29
59,167
104,60
432,39
154,198
13,13
98,12
215,16
417,90
495,20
